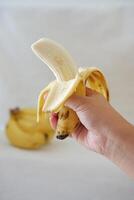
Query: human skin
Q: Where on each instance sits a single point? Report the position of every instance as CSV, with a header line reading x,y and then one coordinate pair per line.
x,y
102,129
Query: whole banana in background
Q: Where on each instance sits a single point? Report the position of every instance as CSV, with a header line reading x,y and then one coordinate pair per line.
x,y
23,131
69,80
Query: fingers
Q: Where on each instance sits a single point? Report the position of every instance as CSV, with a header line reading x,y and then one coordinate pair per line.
x,y
90,92
53,120
53,117
75,101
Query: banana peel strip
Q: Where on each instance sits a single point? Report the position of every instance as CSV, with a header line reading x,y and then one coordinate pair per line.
x,y
59,91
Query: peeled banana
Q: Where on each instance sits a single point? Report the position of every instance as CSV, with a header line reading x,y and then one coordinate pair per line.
x,y
23,131
69,80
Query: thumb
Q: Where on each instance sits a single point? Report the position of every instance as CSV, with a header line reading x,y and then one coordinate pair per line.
x,y
75,101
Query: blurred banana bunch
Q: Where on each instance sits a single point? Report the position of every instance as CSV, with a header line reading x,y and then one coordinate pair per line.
x,y
24,131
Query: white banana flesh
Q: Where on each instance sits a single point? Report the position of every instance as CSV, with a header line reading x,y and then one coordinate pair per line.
x,y
56,57
69,80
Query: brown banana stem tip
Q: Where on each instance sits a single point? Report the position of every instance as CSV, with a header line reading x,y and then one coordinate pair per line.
x,y
62,137
14,111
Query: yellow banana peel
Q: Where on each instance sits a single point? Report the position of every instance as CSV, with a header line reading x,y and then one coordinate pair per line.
x,y
69,79
23,131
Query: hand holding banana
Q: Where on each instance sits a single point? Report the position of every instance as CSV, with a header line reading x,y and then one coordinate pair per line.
x,y
69,80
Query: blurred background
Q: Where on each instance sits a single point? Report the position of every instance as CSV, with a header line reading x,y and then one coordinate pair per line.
x,y
96,33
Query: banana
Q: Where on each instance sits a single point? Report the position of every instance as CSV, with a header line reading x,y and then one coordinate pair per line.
x,y
23,131
20,138
69,79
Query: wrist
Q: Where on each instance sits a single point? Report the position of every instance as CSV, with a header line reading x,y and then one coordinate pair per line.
x,y
120,149
118,142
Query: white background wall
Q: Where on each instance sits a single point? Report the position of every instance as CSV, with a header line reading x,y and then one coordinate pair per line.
x,y
65,2
99,34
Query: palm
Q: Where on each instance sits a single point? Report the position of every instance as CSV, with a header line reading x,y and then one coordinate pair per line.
x,y
90,139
